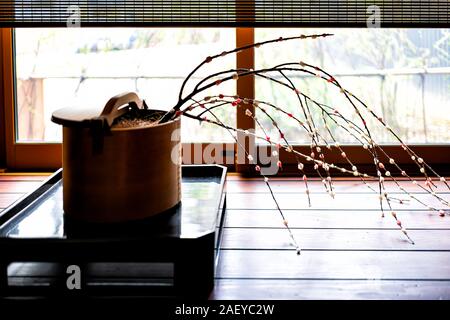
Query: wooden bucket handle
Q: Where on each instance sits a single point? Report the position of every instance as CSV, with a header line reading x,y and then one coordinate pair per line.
x,y
112,108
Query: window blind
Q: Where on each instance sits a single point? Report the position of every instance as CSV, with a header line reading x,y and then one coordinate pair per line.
x,y
296,13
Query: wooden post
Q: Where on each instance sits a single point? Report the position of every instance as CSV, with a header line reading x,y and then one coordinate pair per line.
x,y
245,88
2,109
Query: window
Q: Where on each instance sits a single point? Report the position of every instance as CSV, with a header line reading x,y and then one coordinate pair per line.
x,y
75,67
403,74
90,72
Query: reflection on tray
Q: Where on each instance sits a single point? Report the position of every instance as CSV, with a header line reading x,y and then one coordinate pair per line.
x,y
45,218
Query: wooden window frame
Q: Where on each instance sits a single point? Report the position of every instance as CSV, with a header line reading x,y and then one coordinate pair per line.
x,y
40,156
437,155
44,156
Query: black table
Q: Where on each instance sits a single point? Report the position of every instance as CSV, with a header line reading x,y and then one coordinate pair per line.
x,y
173,254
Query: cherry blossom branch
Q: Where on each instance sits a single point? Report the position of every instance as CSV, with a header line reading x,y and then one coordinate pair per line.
x,y
209,59
307,106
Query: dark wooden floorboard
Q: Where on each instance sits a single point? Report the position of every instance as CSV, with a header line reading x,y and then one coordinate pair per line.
x,y
345,186
330,289
336,239
334,219
322,201
15,186
7,199
328,264
18,186
24,177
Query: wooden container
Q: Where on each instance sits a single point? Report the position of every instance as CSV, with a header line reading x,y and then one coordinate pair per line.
x,y
118,174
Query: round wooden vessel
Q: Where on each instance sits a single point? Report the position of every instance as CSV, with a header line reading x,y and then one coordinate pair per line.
x,y
118,174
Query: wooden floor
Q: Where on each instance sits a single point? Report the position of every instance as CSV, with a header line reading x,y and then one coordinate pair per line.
x,y
15,186
348,250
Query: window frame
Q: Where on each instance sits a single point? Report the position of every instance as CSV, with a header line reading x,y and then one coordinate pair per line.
x,y
437,155
47,156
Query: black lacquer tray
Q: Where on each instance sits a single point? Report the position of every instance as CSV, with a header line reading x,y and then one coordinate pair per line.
x,y
173,254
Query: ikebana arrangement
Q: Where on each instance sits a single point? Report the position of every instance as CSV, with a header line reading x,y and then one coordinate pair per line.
x,y
188,104
203,109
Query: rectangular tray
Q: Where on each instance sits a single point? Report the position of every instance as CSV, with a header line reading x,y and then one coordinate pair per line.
x,y
188,237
